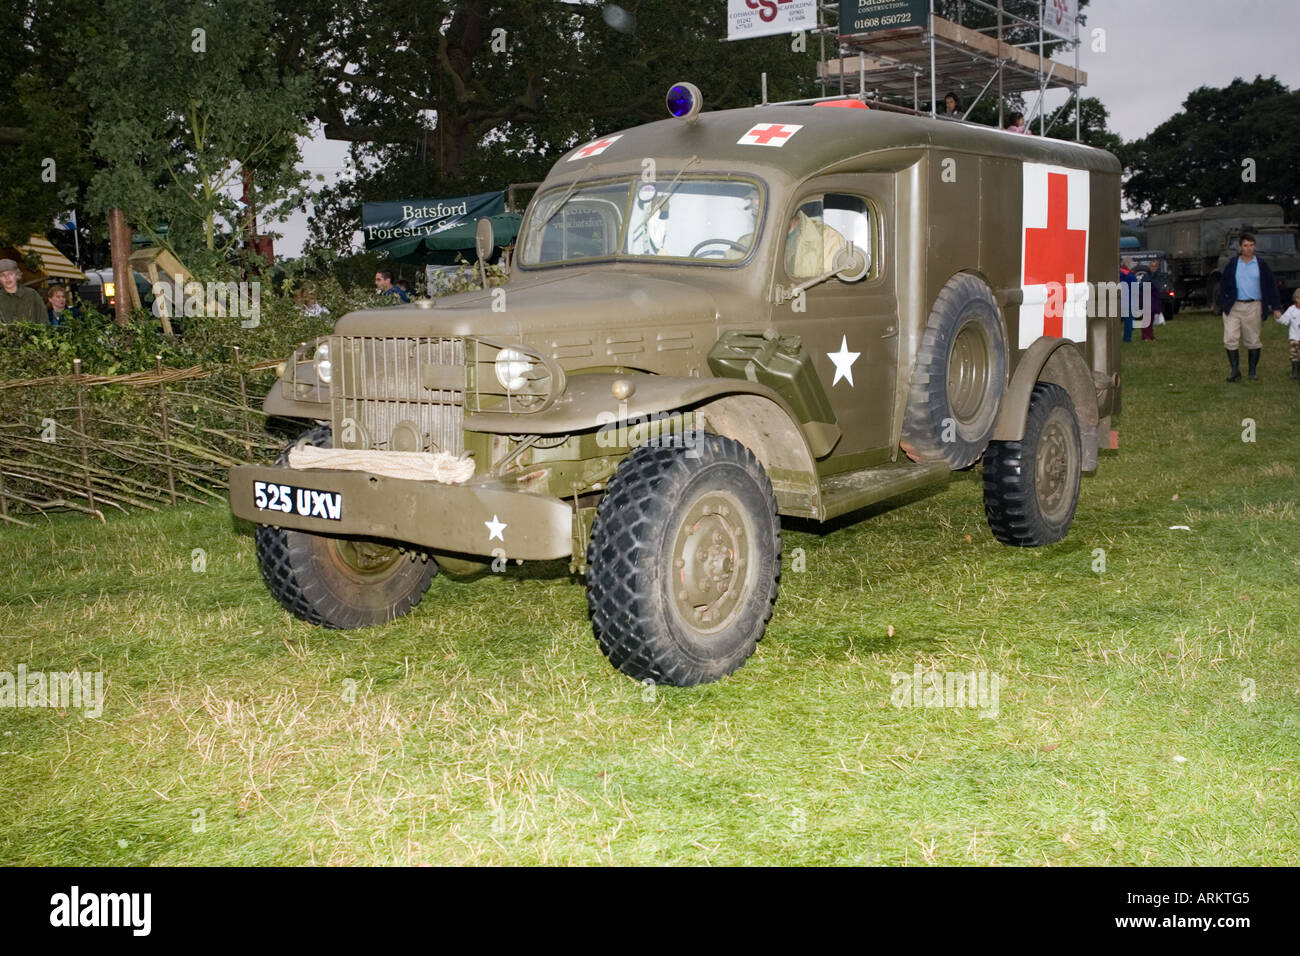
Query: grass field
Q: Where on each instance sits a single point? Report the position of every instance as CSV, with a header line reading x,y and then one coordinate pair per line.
x,y
1147,712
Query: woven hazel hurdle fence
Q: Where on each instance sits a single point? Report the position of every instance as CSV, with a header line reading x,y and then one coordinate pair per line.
x,y
87,443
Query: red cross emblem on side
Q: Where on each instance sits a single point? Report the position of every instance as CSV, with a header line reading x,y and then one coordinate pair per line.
x,y
1054,254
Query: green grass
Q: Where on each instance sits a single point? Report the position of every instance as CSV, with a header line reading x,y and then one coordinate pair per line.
x,y
487,728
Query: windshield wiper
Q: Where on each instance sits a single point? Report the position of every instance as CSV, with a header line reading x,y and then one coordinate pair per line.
x,y
658,203
568,194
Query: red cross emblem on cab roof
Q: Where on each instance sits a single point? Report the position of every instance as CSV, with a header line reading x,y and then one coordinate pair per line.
x,y
594,148
769,134
1055,253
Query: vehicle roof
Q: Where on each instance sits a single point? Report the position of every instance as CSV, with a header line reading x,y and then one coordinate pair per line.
x,y
828,138
1234,211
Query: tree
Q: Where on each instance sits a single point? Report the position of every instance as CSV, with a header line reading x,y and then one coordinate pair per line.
x,y
42,131
1093,125
1237,144
440,97
182,110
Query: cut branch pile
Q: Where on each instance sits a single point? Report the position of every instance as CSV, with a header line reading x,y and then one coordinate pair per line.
x,y
89,443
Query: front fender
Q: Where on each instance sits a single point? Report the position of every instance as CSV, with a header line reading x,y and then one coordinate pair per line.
x,y
276,404
753,414
589,402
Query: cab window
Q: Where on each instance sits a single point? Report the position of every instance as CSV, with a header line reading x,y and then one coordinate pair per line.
x,y
819,228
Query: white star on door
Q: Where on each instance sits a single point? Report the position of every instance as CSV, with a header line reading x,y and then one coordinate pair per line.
x,y
843,360
495,527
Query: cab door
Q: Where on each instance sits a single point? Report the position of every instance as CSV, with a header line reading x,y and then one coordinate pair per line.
x,y
849,328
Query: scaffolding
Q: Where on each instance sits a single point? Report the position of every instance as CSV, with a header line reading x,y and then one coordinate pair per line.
x,y
948,55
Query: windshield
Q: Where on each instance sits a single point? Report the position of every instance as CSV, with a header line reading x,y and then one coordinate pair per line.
x,y
698,219
1271,242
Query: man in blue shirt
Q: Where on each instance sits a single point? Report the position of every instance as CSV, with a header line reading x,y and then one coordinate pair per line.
x,y
384,285
1246,289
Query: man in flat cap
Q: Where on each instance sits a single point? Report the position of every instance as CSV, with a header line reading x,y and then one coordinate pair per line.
x,y
17,302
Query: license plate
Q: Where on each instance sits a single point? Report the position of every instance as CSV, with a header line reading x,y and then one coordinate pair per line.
x,y
291,500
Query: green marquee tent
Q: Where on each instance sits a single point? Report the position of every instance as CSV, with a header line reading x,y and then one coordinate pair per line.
x,y
442,248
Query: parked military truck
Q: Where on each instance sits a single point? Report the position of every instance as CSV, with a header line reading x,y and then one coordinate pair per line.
x,y
1201,241
713,322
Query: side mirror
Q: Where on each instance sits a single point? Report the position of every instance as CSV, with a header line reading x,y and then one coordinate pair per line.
x,y
851,264
484,240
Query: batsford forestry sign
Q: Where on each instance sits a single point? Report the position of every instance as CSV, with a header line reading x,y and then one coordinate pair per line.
x,y
872,16
382,222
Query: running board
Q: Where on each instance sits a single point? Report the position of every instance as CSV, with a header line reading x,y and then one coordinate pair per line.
x,y
852,490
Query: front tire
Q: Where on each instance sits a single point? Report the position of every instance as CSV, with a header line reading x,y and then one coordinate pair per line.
x,y
340,582
684,562
1031,486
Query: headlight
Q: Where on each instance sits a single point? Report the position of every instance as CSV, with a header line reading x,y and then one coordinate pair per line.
x,y
513,368
324,369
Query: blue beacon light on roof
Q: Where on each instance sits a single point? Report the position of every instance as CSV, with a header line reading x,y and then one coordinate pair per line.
x,y
684,101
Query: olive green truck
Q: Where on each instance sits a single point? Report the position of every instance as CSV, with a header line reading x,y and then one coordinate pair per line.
x,y
711,322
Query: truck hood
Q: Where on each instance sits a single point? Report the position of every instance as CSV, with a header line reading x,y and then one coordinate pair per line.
x,y
568,301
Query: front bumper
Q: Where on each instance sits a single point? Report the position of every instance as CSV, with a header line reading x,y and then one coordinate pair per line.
x,y
479,518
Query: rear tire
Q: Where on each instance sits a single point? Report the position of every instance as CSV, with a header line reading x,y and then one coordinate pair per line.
x,y
1031,486
959,376
684,562
340,582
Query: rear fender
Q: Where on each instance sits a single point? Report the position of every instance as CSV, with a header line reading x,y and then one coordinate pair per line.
x,y
1057,361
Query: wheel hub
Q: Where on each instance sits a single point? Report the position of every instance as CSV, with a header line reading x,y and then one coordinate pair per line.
x,y
366,557
968,372
1052,468
710,561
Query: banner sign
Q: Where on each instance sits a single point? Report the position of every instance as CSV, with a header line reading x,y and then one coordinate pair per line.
x,y
747,19
873,16
383,222
1061,18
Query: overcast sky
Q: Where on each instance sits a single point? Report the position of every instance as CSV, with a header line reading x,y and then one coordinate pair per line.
x,y
1157,51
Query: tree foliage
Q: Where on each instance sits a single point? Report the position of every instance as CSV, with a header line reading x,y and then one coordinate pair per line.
x,y
181,108
1237,144
442,97
1094,129
43,138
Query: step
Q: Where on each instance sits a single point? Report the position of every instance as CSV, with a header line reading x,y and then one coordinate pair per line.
x,y
852,490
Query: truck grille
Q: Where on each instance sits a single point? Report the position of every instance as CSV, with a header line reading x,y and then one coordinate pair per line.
x,y
398,394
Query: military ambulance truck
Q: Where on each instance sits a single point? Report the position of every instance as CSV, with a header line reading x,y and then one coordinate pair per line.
x,y
713,323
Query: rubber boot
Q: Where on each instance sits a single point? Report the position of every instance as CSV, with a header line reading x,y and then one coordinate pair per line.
x,y
1235,362
1253,357
1295,370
